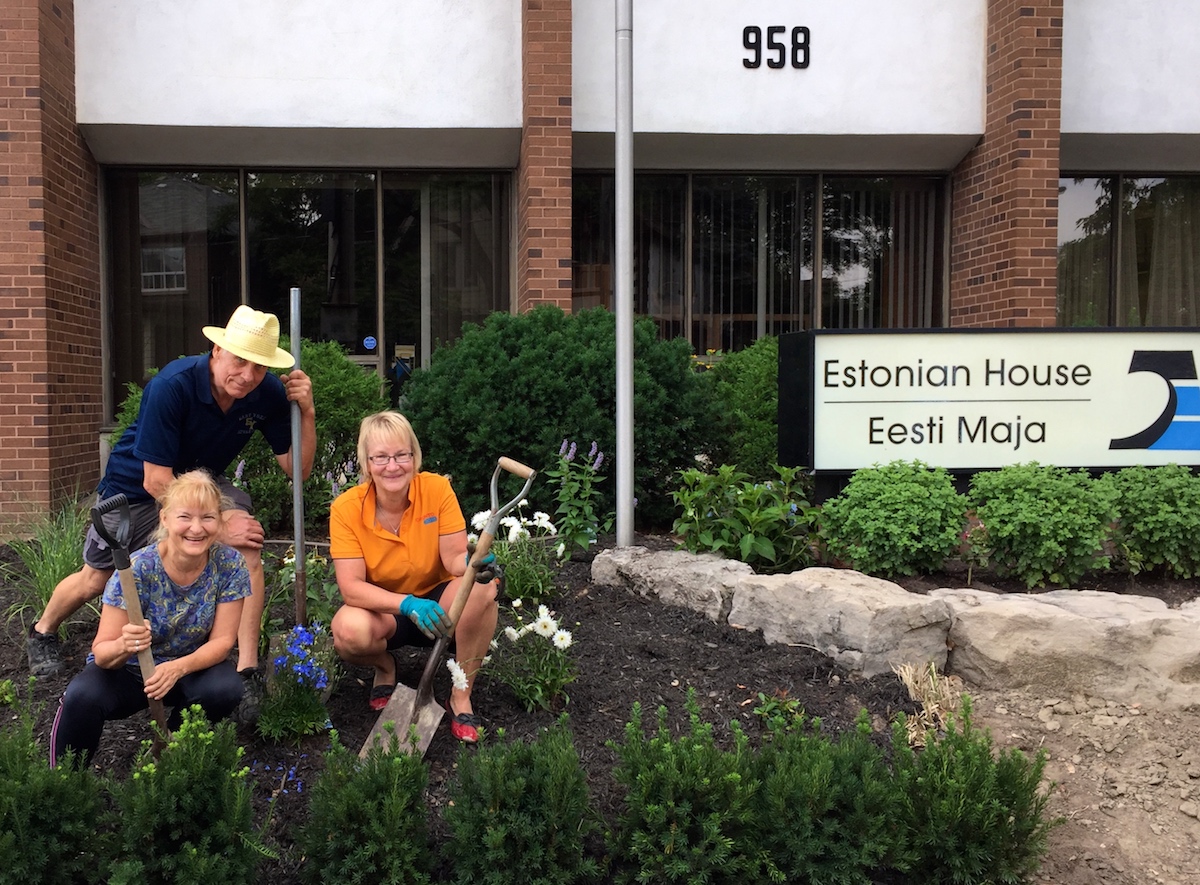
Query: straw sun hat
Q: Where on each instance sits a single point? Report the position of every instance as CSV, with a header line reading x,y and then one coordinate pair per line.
x,y
252,335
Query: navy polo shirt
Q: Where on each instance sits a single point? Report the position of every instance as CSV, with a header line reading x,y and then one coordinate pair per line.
x,y
180,426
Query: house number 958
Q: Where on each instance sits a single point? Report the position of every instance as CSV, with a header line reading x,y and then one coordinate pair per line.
x,y
776,51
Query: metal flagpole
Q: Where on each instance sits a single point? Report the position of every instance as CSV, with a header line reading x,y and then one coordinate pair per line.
x,y
623,295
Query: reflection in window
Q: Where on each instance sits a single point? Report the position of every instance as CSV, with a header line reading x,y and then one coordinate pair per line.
x,y
1149,272
173,265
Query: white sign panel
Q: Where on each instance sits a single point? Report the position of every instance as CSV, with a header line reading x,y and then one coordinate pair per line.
x,y
964,400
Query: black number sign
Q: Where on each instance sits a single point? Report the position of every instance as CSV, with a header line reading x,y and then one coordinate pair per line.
x,y
777,51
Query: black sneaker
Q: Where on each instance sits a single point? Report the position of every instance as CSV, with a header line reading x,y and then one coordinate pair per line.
x,y
44,653
246,713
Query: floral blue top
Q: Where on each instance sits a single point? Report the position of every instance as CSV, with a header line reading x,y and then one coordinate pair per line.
x,y
181,618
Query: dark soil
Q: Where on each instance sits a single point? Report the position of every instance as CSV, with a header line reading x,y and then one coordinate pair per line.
x,y
629,649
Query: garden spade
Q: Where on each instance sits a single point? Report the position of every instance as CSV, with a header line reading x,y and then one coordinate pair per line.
x,y
119,543
407,710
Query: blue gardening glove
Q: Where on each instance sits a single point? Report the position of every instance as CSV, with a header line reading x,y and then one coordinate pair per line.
x,y
486,572
430,618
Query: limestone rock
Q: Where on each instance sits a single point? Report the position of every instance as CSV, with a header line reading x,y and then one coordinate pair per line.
x,y
702,582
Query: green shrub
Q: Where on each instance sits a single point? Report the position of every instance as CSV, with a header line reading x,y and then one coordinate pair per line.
x,y
1040,523
766,525
689,810
1158,524
521,812
901,518
54,826
343,395
54,551
187,817
746,387
828,809
367,819
970,816
518,385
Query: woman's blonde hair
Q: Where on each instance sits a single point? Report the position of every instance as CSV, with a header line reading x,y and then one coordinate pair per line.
x,y
196,488
387,426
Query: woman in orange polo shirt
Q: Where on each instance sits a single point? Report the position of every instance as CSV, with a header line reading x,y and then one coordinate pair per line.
x,y
397,542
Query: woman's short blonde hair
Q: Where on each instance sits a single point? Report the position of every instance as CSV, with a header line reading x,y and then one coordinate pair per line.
x,y
386,427
196,488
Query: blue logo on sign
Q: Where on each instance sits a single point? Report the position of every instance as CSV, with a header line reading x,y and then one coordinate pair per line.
x,y
369,342
1178,427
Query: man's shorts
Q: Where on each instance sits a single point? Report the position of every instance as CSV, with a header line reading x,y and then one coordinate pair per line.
x,y
143,521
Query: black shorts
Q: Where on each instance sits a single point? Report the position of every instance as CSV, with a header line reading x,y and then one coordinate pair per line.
x,y
408,633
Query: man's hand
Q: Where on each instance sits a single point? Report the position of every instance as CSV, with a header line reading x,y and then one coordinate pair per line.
x,y
430,618
299,389
241,531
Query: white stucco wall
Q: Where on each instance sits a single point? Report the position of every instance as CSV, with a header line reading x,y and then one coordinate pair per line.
x,y
230,66
1131,87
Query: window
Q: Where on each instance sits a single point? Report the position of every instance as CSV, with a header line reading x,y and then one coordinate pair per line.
x,y
1129,251
164,269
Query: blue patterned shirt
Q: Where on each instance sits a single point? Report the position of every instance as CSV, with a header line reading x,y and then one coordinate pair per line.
x,y
181,618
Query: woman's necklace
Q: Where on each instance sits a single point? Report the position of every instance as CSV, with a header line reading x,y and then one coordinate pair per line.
x,y
392,526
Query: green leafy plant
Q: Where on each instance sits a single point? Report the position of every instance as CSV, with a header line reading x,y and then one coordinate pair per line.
x,y
827,808
367,819
524,552
901,518
1158,524
745,384
54,551
778,708
322,597
8,693
188,817
533,659
1042,524
970,815
294,703
689,807
764,524
522,806
516,385
576,481
342,393
54,824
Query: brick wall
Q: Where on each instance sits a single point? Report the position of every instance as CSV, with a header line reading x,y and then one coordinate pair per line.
x,y
1003,240
50,384
544,175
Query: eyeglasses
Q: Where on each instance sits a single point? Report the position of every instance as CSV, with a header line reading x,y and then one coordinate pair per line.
x,y
384,460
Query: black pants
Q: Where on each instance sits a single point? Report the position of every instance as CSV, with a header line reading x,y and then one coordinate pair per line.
x,y
97,695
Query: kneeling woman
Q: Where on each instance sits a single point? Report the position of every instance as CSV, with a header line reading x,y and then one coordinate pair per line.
x,y
191,590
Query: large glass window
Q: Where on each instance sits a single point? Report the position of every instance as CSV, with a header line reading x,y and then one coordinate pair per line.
x,y
727,259
388,265
1129,251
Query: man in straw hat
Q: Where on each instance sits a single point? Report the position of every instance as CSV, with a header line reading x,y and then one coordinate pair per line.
x,y
198,412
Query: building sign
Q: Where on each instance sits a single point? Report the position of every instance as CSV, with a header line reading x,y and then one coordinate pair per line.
x,y
985,398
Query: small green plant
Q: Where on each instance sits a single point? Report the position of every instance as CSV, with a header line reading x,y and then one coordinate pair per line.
x,y
294,704
54,552
970,815
777,707
1158,524
8,693
827,809
745,384
522,806
523,553
902,518
576,482
689,810
322,597
54,826
764,524
1043,524
367,819
533,659
188,817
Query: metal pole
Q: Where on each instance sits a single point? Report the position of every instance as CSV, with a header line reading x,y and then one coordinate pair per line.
x,y
623,296
301,588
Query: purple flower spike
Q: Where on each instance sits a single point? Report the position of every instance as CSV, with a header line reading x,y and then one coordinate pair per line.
x,y
592,453
570,456
599,461
562,450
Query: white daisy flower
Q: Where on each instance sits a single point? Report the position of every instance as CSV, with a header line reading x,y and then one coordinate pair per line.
x,y
479,520
516,603
561,639
512,634
457,676
545,627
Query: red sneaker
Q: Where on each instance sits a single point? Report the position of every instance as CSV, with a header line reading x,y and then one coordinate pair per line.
x,y
464,726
